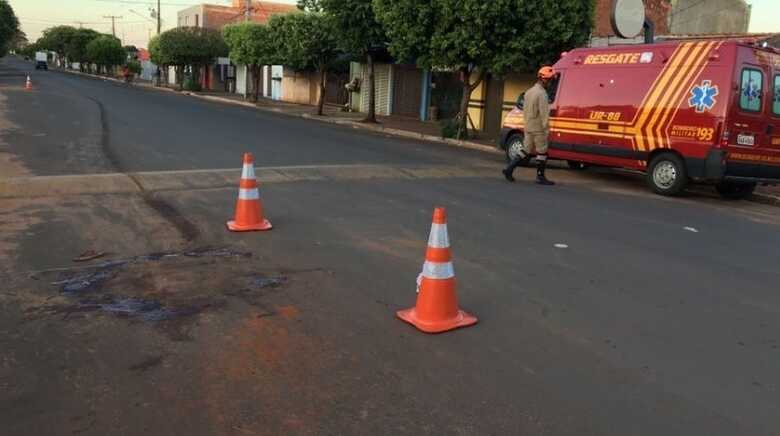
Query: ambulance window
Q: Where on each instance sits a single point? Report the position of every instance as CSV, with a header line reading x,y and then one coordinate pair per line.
x,y
751,90
552,90
776,99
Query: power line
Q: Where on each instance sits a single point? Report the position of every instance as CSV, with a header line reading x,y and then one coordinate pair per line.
x,y
113,23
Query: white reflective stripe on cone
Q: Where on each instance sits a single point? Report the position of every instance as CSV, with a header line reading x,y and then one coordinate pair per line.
x,y
248,194
439,237
248,172
438,271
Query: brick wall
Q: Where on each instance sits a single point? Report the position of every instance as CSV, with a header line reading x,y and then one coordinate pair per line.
x,y
217,17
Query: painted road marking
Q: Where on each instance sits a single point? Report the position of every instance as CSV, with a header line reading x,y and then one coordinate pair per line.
x,y
561,246
691,229
119,183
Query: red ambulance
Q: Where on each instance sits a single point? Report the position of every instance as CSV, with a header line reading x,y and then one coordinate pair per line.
x,y
681,111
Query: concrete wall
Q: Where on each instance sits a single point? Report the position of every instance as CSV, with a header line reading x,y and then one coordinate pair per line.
x,y
190,17
300,87
709,16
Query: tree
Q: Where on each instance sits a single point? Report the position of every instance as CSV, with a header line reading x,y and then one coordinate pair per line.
x,y
308,43
9,26
190,47
76,46
252,45
57,39
157,57
476,37
106,51
19,41
358,33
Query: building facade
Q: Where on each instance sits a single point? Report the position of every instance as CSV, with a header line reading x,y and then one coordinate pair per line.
x,y
709,16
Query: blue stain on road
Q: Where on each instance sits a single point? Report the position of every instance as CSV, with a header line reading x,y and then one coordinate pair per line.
x,y
148,310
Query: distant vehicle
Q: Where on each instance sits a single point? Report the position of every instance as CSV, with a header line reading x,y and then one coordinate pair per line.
x,y
702,111
41,60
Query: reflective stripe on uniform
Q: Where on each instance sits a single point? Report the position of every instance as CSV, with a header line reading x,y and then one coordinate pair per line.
x,y
439,237
248,172
541,157
438,271
248,194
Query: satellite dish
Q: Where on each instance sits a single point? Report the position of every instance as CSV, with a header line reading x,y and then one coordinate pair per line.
x,y
628,17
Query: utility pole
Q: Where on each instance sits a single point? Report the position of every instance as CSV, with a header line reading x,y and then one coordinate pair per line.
x,y
159,23
113,22
247,16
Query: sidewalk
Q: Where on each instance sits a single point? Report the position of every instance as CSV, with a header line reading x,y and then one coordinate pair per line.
x,y
392,125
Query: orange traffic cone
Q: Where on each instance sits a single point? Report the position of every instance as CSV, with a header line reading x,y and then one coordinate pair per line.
x,y
28,85
249,209
437,304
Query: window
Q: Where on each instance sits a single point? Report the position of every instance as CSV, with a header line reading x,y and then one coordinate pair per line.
x,y
552,88
751,90
776,99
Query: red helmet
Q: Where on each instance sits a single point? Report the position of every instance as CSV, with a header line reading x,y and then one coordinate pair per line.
x,y
546,73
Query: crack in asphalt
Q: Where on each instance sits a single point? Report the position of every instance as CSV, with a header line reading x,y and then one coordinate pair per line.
x,y
187,229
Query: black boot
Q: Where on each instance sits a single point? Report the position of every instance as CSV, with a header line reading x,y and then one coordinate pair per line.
x,y
516,162
540,169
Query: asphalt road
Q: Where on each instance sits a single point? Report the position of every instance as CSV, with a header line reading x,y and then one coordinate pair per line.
x,y
659,317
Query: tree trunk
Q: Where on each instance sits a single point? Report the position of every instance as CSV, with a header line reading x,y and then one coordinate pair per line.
x,y
321,100
371,117
468,88
256,76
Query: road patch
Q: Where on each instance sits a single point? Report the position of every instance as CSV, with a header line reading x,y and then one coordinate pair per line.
x,y
157,181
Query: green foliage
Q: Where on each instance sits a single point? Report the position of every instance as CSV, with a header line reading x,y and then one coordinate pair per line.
x,y
155,54
76,46
494,36
189,46
9,26
18,42
475,37
29,50
134,67
308,40
190,84
57,38
251,44
449,128
310,5
106,51
356,25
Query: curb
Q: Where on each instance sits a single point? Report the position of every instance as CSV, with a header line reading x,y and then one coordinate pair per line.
x,y
767,199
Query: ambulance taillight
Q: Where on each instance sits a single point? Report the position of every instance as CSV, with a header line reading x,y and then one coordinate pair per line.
x,y
724,138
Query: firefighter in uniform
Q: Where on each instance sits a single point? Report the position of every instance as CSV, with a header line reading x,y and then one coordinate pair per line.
x,y
536,111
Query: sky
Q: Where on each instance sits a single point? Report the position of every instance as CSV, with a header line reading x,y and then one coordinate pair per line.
x,y
136,26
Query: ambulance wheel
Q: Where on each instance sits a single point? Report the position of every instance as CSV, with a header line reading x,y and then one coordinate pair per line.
x,y
735,190
513,146
575,165
667,175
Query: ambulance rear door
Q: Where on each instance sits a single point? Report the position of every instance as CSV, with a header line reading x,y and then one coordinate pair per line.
x,y
774,111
